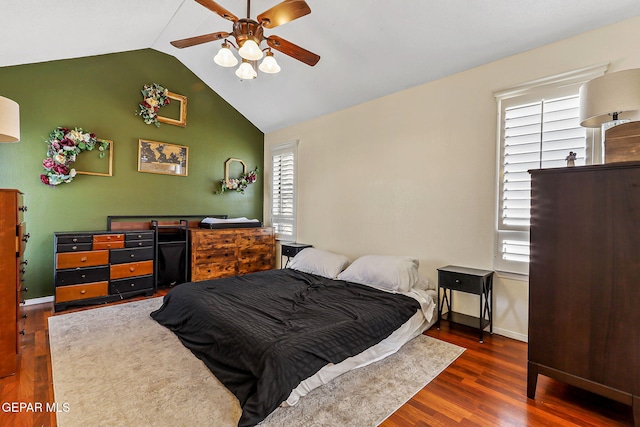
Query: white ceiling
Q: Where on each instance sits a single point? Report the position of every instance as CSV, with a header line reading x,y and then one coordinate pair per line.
x,y
368,48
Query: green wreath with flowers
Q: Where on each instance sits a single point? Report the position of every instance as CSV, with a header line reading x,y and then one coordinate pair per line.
x,y
63,146
154,97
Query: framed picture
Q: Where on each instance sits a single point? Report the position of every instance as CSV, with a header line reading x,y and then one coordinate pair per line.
x,y
90,162
181,113
163,158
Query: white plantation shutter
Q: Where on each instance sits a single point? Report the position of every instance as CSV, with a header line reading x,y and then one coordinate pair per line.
x,y
534,135
283,190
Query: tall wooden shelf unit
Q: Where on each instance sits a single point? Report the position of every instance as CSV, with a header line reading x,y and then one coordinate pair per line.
x,y
584,280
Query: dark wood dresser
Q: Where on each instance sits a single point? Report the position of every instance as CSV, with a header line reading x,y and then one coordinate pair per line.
x,y
13,238
584,280
230,251
102,266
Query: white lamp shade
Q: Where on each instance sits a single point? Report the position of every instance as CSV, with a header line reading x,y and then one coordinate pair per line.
x,y
612,93
225,58
9,120
245,71
269,65
250,50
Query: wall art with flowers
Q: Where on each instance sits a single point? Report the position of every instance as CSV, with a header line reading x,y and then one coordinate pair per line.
x,y
237,184
63,147
154,97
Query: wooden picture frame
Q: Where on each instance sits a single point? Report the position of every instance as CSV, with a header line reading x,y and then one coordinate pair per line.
x,y
95,166
162,158
182,120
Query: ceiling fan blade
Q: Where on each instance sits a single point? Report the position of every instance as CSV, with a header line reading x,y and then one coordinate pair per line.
x,y
215,7
192,41
284,12
294,51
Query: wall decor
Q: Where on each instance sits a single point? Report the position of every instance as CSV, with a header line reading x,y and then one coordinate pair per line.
x,y
237,184
162,158
89,165
154,97
63,147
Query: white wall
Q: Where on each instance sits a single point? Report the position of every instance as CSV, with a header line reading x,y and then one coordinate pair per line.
x,y
414,173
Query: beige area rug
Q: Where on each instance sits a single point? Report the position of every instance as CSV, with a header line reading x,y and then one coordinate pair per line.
x,y
115,366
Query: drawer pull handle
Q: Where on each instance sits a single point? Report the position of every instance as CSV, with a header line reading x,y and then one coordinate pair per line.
x,y
25,262
83,276
133,285
74,247
23,332
24,290
75,240
133,255
139,236
82,292
458,281
132,269
83,259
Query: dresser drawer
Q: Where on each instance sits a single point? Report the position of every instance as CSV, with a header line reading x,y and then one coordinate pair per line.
x,y
139,235
101,238
120,256
217,239
215,255
121,286
460,282
263,238
258,264
213,270
81,259
81,275
74,238
74,247
137,243
132,269
84,291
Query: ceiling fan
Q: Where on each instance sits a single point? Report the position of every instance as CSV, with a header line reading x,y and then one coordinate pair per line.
x,y
249,34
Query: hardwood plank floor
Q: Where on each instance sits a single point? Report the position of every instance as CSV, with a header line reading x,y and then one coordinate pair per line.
x,y
485,386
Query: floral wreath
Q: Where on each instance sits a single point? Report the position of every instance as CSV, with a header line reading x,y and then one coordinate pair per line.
x,y
239,184
154,96
63,146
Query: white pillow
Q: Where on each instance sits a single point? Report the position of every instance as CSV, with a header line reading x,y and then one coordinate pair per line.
x,y
390,273
317,261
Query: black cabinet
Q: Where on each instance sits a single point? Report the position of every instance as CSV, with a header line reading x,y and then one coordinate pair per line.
x,y
291,249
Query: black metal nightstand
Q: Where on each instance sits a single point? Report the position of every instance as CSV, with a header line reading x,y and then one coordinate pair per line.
x,y
472,281
291,249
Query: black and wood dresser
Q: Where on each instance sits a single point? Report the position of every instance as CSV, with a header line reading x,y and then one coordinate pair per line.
x,y
93,267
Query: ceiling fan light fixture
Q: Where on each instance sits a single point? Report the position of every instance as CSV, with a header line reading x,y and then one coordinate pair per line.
x,y
225,58
245,71
250,50
269,64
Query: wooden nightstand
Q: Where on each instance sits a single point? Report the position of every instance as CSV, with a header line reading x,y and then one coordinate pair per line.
x,y
472,281
291,249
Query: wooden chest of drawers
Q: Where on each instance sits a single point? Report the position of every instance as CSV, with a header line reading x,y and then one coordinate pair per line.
x,y
13,238
98,267
229,252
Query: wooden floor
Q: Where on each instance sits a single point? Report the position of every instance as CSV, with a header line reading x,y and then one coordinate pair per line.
x,y
485,386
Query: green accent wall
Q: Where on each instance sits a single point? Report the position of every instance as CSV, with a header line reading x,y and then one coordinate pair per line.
x,y
101,95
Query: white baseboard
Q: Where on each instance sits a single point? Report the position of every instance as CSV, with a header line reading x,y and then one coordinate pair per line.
x,y
41,300
511,334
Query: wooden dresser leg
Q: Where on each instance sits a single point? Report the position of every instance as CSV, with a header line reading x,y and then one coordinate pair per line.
x,y
636,411
532,380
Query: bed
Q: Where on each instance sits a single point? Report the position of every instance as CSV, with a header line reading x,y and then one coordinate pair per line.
x,y
272,337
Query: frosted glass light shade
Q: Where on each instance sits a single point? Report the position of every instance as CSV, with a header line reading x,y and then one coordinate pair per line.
x,y
9,120
225,58
250,50
612,93
269,64
246,72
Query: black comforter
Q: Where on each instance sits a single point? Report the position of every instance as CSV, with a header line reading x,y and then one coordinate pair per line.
x,y
261,334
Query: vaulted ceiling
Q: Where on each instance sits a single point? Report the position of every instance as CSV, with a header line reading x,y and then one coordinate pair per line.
x,y
368,48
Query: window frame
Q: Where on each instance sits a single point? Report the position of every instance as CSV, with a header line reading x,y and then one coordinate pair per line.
x,y
557,86
279,218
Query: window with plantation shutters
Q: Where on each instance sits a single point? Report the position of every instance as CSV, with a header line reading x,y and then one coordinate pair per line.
x,y
283,190
539,127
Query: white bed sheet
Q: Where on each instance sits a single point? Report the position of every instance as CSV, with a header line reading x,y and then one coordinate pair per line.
x,y
417,324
